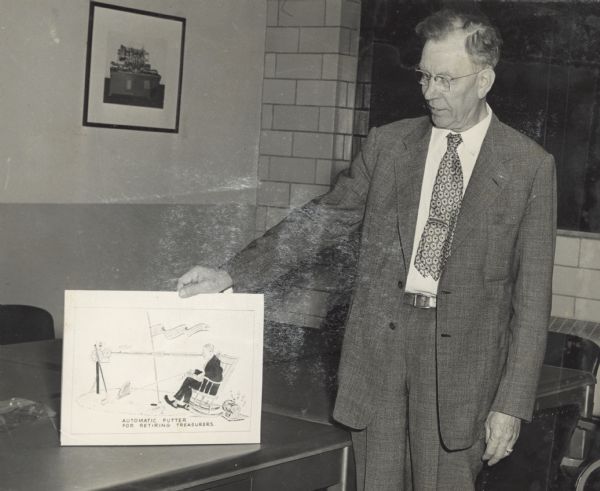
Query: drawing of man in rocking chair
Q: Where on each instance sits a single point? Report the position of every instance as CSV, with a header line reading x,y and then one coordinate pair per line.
x,y
206,380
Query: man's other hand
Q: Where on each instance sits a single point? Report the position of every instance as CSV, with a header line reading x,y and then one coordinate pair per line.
x,y
501,433
203,280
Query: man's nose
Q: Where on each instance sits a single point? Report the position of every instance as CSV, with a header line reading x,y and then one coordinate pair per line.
x,y
430,91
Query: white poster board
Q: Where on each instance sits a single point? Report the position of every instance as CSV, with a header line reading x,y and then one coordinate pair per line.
x,y
150,368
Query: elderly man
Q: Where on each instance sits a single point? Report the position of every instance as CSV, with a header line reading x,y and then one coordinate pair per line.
x,y
197,379
457,218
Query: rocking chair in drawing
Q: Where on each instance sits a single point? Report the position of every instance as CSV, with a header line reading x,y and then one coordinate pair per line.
x,y
204,400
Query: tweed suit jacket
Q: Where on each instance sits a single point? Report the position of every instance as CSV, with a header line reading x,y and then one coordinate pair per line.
x,y
494,294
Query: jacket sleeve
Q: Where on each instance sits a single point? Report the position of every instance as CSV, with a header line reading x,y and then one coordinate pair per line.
x,y
532,298
323,222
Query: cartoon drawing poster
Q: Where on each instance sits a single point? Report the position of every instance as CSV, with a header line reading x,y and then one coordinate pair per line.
x,y
150,368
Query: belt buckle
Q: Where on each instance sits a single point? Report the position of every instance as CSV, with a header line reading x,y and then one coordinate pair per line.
x,y
421,301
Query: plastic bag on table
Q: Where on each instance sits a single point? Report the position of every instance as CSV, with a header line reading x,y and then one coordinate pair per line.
x,y
16,411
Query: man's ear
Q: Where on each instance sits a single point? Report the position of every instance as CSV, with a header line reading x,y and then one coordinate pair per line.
x,y
485,81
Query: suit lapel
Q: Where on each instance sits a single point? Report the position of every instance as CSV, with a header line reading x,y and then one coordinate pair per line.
x,y
489,177
487,180
409,167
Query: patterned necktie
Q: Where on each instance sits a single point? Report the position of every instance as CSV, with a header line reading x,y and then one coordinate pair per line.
x,y
436,241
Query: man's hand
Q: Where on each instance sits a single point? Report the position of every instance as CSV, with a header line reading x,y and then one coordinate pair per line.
x,y
501,433
203,280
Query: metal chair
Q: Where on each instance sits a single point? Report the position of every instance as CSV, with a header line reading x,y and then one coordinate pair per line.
x,y
24,323
577,359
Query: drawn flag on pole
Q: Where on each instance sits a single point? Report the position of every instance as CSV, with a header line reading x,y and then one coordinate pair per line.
x,y
174,332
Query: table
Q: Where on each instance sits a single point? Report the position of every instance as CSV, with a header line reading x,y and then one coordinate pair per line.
x,y
560,386
294,454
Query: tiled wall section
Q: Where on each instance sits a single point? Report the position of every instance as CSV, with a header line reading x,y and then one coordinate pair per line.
x,y
576,285
308,101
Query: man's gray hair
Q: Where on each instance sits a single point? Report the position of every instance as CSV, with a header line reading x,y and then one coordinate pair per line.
x,y
482,41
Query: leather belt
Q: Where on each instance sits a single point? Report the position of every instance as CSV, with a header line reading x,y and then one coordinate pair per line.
x,y
420,301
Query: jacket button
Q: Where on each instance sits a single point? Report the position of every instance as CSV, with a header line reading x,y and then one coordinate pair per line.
x,y
400,284
392,326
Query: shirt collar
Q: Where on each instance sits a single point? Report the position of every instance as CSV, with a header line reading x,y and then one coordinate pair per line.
x,y
472,138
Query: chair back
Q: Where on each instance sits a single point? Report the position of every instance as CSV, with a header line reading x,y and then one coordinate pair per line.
x,y
228,363
24,323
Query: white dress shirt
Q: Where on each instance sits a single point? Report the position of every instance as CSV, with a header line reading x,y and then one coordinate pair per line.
x,y
468,151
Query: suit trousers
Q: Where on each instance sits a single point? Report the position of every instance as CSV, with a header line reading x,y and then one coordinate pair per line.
x,y
401,447
185,391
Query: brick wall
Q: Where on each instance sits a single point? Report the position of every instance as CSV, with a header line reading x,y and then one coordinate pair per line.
x,y
576,285
309,89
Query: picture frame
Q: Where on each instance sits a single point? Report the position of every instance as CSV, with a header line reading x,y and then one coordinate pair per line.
x,y
151,368
134,69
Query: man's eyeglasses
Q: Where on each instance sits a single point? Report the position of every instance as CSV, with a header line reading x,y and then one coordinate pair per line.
x,y
443,81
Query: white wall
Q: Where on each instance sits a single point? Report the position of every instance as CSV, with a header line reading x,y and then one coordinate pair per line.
x,y
52,167
47,156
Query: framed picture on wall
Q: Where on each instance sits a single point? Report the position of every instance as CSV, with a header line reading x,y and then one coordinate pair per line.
x,y
134,69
